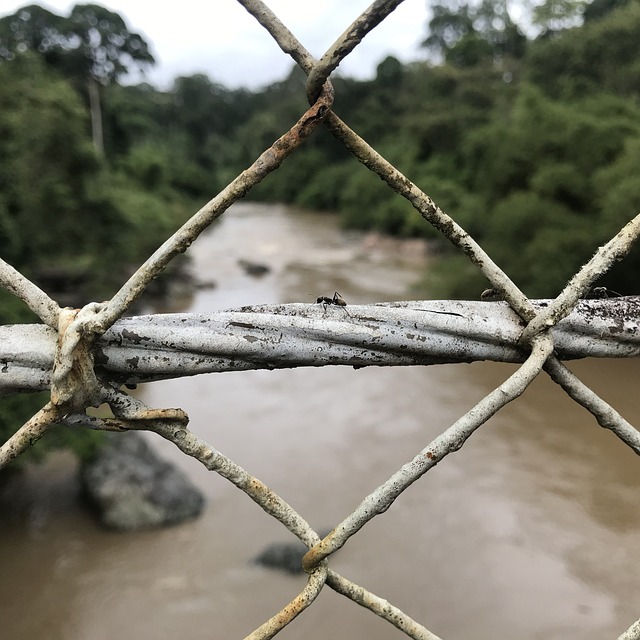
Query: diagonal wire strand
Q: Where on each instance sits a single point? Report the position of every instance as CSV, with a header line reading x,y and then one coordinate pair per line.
x,y
614,250
278,508
365,154
36,299
447,442
29,433
180,241
347,42
379,606
604,413
632,633
604,258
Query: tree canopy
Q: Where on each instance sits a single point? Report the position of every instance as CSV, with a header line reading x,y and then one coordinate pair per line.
x,y
92,41
92,44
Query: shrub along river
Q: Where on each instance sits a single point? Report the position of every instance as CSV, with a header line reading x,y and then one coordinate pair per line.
x,y
529,531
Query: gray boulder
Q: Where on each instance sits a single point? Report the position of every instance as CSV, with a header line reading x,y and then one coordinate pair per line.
x,y
285,556
132,488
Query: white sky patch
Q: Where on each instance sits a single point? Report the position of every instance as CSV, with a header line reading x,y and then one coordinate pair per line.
x,y
219,38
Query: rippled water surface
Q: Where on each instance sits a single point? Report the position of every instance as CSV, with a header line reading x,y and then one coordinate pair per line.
x,y
529,531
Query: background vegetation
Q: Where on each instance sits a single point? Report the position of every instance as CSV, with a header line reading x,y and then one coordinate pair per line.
x,y
532,142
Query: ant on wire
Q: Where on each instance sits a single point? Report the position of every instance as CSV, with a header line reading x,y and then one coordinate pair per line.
x,y
337,301
599,293
602,293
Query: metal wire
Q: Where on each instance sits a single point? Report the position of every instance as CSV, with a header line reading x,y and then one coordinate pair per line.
x,y
83,356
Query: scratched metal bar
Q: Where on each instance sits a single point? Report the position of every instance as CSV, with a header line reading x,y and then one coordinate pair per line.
x,y
159,347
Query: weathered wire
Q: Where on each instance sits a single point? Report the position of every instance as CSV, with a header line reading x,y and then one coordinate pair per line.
x,y
632,633
29,433
279,32
607,255
346,43
35,298
370,158
447,442
303,600
160,347
276,507
379,606
180,241
606,415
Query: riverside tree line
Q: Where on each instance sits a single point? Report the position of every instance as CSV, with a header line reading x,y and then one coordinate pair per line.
x,y
528,134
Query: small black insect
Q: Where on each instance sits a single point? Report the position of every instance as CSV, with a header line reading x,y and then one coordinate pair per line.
x,y
599,293
491,295
602,293
337,300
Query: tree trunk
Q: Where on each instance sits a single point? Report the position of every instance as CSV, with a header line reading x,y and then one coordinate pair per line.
x,y
96,116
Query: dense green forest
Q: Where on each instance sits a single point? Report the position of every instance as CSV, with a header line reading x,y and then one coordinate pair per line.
x,y
531,142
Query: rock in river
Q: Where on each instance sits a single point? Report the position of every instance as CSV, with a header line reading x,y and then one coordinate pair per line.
x,y
285,556
133,488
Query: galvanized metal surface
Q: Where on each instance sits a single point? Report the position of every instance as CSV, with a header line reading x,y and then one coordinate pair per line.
x,y
156,347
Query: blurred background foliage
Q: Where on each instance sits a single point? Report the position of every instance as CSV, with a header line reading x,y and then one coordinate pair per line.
x,y
527,134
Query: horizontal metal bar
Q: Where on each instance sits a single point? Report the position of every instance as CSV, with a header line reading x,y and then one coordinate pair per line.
x,y
156,347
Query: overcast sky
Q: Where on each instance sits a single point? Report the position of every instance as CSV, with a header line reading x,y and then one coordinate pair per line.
x,y
219,38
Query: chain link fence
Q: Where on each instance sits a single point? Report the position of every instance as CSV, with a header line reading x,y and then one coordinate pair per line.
x,y
85,355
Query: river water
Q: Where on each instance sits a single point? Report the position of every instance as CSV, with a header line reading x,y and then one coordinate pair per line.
x,y
530,531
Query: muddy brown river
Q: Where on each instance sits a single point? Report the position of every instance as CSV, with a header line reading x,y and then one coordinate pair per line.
x,y
530,531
